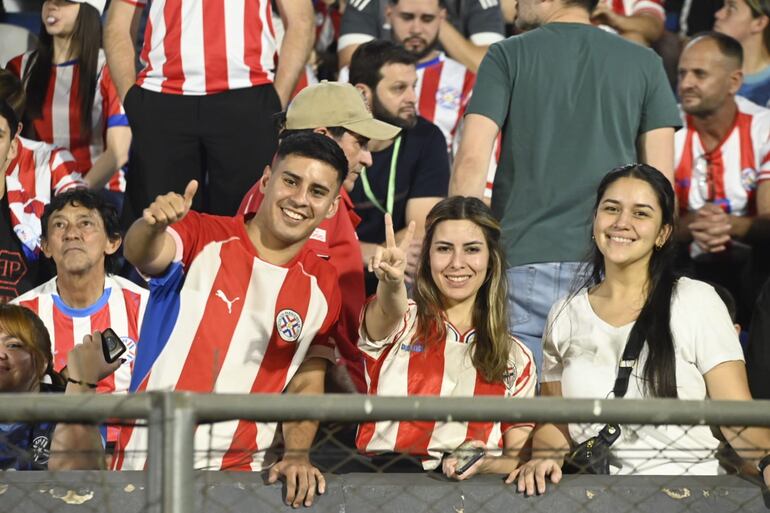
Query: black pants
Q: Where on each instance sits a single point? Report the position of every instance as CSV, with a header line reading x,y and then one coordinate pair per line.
x,y
222,140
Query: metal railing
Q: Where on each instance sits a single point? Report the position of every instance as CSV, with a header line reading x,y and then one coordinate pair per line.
x,y
172,418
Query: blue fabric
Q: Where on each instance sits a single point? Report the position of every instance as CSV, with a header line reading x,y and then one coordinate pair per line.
x,y
117,120
159,320
25,446
82,312
532,291
756,87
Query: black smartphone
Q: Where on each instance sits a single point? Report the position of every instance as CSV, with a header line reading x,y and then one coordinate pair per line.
x,y
112,346
467,454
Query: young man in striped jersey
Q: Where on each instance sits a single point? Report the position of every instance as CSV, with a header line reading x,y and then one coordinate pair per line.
x,y
242,306
81,234
722,158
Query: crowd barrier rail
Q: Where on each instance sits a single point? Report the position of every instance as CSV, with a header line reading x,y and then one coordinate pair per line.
x,y
172,417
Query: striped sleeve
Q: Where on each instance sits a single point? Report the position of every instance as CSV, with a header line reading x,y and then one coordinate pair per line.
x,y
112,108
374,348
64,171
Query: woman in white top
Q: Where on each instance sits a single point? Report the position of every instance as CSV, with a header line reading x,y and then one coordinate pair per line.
x,y
452,340
690,349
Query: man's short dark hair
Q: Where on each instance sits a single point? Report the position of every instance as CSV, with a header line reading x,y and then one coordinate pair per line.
x,y
314,146
728,46
7,112
369,59
82,197
335,131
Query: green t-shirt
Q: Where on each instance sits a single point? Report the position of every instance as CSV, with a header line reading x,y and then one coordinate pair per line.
x,y
571,100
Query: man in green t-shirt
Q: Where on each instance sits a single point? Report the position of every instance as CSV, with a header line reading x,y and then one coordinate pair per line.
x,y
573,102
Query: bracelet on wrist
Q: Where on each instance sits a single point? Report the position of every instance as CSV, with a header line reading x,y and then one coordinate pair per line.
x,y
82,383
763,463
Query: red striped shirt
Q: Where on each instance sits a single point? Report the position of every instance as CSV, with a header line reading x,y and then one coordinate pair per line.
x,y
243,326
195,48
402,365
39,171
729,174
121,307
59,123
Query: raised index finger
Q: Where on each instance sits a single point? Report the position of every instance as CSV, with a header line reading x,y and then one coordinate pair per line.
x,y
390,237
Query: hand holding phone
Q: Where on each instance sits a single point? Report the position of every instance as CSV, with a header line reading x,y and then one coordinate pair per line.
x,y
466,455
112,346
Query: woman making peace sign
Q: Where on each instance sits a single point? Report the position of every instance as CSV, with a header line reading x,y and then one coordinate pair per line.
x,y
452,340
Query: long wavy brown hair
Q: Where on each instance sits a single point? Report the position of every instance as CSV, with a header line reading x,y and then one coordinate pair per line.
x,y
492,345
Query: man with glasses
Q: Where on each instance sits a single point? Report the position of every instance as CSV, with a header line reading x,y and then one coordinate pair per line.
x,y
748,21
722,169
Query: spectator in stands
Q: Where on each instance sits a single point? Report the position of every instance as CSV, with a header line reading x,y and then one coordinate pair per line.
x,y
203,111
81,234
444,85
338,111
26,366
71,100
631,297
454,331
241,306
20,267
640,21
466,32
600,100
410,173
748,21
722,162
38,171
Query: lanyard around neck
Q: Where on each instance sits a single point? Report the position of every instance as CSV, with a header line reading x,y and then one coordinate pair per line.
x,y
390,198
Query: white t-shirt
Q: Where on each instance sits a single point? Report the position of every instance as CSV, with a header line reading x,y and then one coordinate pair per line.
x,y
582,352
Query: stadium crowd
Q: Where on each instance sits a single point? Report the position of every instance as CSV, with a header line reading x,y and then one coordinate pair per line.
x,y
393,197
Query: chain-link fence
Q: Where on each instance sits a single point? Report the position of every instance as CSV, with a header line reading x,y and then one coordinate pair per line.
x,y
667,456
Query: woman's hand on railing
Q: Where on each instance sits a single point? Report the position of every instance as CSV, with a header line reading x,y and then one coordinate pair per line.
x,y
531,476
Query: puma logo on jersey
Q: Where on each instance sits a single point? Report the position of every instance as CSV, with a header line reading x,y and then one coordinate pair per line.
x,y
221,295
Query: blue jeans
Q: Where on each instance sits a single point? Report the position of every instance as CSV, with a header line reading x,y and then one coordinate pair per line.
x,y
532,291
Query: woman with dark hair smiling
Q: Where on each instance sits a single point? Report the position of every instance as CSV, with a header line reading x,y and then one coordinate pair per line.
x,y
451,341
688,348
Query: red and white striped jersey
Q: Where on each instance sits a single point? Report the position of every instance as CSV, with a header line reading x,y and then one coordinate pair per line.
x,y
237,324
38,172
632,7
443,88
729,174
60,120
401,365
194,47
121,307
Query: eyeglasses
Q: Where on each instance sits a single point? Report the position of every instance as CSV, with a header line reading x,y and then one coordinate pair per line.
x,y
703,176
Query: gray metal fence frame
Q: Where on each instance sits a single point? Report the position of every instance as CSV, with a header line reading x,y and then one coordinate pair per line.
x,y
173,416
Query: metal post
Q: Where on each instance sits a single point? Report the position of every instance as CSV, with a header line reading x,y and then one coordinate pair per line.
x,y
154,474
178,446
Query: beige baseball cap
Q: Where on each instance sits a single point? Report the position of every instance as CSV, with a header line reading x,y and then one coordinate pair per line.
x,y
336,104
